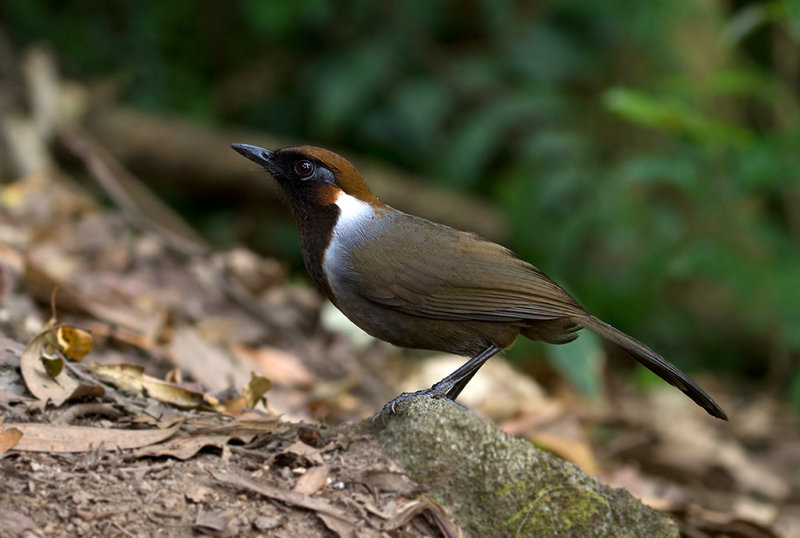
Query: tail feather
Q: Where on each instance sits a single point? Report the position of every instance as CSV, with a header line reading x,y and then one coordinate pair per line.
x,y
657,364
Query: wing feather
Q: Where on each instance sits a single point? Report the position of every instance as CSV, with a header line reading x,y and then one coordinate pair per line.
x,y
454,275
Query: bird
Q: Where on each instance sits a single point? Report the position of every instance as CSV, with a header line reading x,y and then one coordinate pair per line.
x,y
418,284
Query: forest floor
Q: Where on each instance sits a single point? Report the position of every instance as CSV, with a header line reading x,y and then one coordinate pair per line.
x,y
211,385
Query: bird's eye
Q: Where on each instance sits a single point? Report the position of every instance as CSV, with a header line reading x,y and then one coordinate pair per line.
x,y
304,168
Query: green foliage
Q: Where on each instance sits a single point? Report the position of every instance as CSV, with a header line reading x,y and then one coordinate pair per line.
x,y
644,152
580,362
675,117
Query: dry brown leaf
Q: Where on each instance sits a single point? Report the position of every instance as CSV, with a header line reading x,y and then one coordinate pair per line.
x,y
578,452
282,367
388,480
559,432
267,523
746,508
298,448
38,375
18,524
7,396
198,493
688,442
49,438
334,517
215,369
133,376
211,521
157,422
251,395
255,273
63,341
695,520
255,389
42,275
653,492
312,480
184,448
9,438
171,393
123,376
404,513
252,422
343,528
234,406
173,376
122,335
57,389
11,258
310,435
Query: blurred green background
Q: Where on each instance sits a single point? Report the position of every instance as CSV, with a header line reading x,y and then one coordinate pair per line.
x,y
645,153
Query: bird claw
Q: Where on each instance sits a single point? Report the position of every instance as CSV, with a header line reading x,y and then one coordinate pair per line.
x,y
433,392
390,407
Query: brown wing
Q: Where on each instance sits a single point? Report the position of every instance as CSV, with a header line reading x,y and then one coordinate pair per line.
x,y
442,273
478,280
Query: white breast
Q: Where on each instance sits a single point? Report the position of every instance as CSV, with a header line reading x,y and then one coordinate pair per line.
x,y
356,224
354,215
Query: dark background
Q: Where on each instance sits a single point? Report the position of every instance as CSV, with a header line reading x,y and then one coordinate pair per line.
x,y
645,154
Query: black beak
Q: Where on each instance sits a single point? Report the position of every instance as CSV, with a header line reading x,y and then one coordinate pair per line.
x,y
254,153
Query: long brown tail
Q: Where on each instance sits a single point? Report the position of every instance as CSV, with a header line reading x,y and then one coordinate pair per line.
x,y
657,364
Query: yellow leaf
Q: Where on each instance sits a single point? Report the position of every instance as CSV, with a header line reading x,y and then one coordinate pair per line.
x,y
58,388
255,390
123,376
73,342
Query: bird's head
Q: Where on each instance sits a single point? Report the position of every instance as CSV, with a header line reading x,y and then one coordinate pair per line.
x,y
310,176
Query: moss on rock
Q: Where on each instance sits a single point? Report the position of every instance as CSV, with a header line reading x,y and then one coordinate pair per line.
x,y
499,485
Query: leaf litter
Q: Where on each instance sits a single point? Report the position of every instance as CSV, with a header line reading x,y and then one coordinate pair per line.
x,y
209,371
197,369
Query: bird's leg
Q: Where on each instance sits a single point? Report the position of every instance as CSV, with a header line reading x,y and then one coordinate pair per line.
x,y
449,387
456,389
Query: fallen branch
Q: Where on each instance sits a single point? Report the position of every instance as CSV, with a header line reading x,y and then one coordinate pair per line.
x,y
142,209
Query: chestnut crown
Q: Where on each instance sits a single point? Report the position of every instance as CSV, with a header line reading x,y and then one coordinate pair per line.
x,y
308,174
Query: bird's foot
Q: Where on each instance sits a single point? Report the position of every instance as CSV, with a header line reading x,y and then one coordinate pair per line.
x,y
436,391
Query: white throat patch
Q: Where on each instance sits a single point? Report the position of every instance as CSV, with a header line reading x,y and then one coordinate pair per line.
x,y
353,213
356,224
